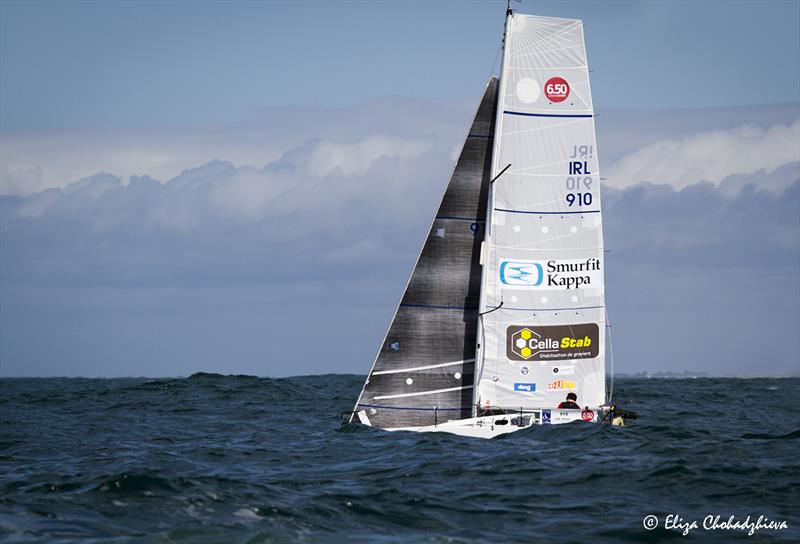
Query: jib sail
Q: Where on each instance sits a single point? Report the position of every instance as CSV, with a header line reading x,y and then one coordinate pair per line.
x,y
424,370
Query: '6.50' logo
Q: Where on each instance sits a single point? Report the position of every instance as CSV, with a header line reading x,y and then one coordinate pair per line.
x,y
556,89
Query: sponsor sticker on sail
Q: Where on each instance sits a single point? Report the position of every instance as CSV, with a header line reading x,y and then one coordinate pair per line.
x,y
553,342
555,274
561,385
556,89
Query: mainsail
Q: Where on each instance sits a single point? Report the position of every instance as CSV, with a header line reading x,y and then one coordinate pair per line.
x,y
542,330
424,371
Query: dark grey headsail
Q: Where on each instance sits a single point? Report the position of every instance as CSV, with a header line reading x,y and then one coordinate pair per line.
x,y
424,371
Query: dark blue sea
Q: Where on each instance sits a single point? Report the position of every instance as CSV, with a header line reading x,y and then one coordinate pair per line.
x,y
214,458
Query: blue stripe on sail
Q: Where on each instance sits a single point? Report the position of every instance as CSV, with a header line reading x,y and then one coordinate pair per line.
x,y
439,307
544,213
551,309
446,218
467,409
548,114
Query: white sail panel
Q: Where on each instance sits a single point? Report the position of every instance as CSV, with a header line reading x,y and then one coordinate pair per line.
x,y
542,333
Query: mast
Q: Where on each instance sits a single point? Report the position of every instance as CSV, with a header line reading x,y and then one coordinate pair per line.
x,y
494,175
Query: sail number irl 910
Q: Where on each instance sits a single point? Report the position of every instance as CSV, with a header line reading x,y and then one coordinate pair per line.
x,y
579,182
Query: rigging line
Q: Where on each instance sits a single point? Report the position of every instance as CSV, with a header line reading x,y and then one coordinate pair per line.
x,y
492,310
500,48
501,173
611,356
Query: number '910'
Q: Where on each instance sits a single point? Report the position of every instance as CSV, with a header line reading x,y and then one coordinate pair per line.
x,y
579,199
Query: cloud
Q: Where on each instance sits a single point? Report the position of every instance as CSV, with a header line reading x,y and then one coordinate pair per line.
x,y
354,159
21,179
621,132
711,156
645,143
224,267
33,161
327,199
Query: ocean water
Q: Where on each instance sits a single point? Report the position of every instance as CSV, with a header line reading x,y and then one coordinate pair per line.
x,y
242,459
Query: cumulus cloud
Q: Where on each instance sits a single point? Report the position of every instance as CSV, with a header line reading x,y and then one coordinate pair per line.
x,y
356,158
326,199
711,156
33,161
639,140
224,266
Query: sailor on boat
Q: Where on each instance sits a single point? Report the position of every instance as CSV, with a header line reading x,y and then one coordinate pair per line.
x,y
571,403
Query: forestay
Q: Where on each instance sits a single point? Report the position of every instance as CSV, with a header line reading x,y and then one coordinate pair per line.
x,y
424,371
542,333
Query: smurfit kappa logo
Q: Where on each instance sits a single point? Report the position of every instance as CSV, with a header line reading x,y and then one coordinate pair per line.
x,y
555,274
528,274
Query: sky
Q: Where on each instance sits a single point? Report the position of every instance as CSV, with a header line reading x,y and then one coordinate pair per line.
x,y
243,187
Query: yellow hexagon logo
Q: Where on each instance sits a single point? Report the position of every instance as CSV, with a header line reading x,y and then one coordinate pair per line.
x,y
519,343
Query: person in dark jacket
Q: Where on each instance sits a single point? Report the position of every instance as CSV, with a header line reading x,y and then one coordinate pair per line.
x,y
571,403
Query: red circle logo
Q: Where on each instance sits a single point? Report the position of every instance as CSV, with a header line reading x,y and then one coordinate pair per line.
x,y
556,89
587,415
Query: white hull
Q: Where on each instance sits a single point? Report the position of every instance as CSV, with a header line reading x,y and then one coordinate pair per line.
x,y
496,425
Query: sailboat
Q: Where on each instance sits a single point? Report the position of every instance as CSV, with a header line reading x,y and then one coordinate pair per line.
x,y
504,313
